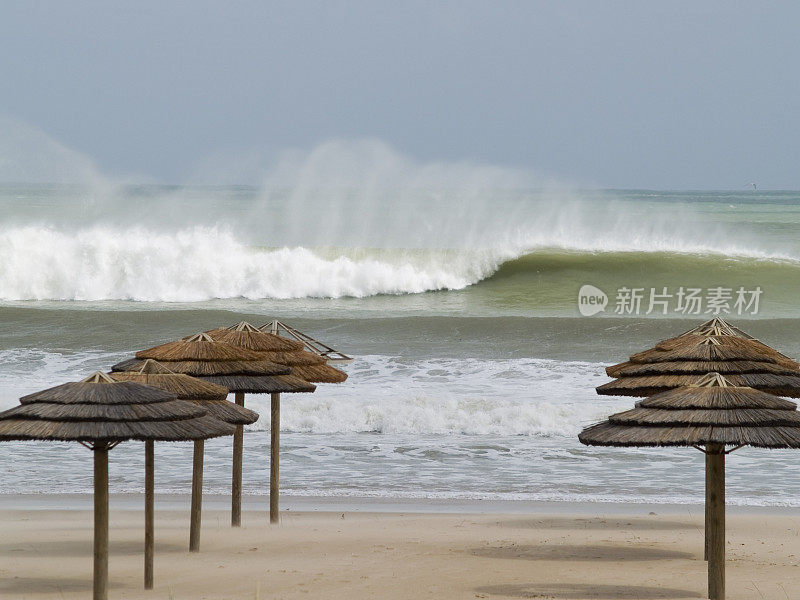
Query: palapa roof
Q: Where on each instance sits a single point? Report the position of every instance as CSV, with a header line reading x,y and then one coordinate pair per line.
x,y
255,377
245,335
203,368
715,346
185,387
228,412
256,340
320,373
102,409
263,384
198,347
711,411
307,366
295,358
210,396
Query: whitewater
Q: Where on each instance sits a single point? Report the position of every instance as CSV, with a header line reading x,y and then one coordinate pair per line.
x,y
454,286
201,263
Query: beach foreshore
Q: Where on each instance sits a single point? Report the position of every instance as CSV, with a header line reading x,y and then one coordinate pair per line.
x,y
367,548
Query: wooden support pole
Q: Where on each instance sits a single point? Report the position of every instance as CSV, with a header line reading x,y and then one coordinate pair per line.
x,y
100,586
716,523
708,504
236,480
197,496
149,512
274,456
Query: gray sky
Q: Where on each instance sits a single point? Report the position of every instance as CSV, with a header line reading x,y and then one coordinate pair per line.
x,y
614,94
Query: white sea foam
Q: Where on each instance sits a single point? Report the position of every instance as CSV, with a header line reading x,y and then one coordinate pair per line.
x,y
408,428
531,397
204,263
384,394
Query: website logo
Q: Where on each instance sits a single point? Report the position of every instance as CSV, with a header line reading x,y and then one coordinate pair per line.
x,y
591,300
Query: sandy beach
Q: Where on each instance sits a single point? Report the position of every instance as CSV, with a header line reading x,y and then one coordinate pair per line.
x,y
569,551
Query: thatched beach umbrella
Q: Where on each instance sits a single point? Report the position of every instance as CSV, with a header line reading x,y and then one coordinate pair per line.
x,y
100,413
237,368
714,346
239,335
210,396
307,365
245,335
711,416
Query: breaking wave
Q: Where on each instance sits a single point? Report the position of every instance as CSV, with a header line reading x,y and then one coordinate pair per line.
x,y
204,263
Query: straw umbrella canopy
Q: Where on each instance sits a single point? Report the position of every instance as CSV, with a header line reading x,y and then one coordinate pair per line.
x,y
284,351
100,413
714,346
717,418
237,368
280,351
210,396
239,335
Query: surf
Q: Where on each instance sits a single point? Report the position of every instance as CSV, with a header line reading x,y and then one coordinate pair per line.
x,y
196,264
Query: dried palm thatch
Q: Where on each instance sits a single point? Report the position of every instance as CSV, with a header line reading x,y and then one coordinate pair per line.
x,y
719,327
305,365
252,377
203,368
212,397
183,386
262,384
320,374
782,385
710,416
244,335
707,349
228,412
198,347
703,367
712,411
99,408
715,346
296,358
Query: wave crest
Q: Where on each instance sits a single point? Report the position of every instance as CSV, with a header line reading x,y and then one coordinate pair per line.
x,y
205,263
200,263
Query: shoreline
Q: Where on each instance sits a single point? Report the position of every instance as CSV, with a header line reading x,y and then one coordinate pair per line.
x,y
370,505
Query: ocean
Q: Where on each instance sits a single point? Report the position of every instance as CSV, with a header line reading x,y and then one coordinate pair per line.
x,y
474,366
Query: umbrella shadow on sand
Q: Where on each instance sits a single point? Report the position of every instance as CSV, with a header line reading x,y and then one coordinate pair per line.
x,y
578,552
581,591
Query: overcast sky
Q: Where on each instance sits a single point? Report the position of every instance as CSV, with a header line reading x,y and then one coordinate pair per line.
x,y
613,94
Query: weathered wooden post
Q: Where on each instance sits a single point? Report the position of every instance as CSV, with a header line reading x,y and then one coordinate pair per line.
x,y
236,483
149,512
716,522
274,454
708,505
100,587
197,496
